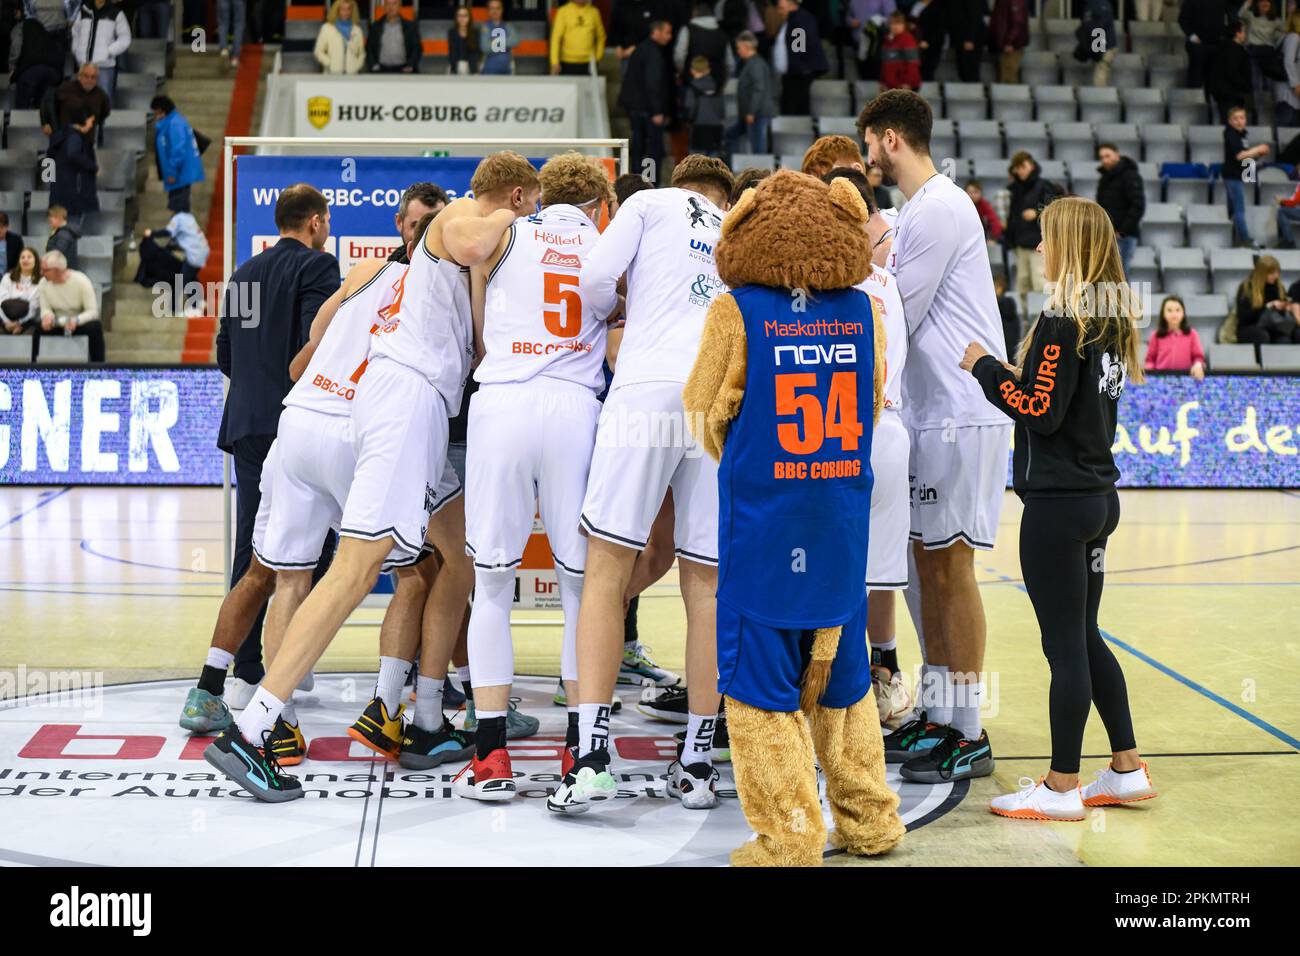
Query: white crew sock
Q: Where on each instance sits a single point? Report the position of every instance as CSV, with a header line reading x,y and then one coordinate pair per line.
x,y
966,709
219,659
939,707
428,703
392,678
698,746
462,676
593,728
888,645
259,716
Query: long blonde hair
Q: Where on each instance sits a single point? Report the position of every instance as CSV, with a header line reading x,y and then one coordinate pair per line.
x,y
332,13
1081,259
1256,282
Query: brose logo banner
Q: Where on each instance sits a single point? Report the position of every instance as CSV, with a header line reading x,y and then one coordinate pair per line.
x,y
373,106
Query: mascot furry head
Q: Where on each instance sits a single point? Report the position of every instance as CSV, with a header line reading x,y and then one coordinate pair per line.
x,y
787,359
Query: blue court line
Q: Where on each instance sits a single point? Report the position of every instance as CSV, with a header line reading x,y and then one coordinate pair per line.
x,y
138,564
41,504
1205,692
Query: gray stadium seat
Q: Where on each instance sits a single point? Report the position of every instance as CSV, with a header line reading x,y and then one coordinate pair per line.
x,y
943,139
1183,271
1166,71
126,131
1205,144
839,126
15,350
1128,70
1074,73
1187,191
298,62
1040,69
1099,104
1162,226
1163,143
864,91
1147,39
1055,104
965,101
1123,135
1054,170
1011,102
145,56
1231,357
1288,259
1027,135
1205,309
24,131
1280,358
741,161
1209,227
792,134
1142,266
831,98
1229,268
1152,188
1262,222
1060,34
12,199
1188,107
1143,105
1084,177
1273,184
980,139
63,350
1072,141
790,161
991,172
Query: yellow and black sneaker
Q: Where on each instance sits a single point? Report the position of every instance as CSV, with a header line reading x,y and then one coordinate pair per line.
x,y
378,731
287,743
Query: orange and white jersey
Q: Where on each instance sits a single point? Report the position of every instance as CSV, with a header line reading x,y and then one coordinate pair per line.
x,y
330,381
887,303
431,328
535,322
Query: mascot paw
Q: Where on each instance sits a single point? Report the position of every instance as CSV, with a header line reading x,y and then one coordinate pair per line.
x,y
870,841
767,853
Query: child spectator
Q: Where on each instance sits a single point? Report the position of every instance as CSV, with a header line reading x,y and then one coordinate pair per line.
x,y
1239,160
988,215
1265,313
705,109
1174,346
900,57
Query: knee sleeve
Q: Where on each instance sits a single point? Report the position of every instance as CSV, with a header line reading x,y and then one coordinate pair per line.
x,y
570,601
491,651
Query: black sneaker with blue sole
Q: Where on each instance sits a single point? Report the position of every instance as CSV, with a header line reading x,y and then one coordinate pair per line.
x,y
953,758
252,769
423,749
914,738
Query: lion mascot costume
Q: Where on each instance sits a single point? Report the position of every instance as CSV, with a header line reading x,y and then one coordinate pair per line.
x,y
790,361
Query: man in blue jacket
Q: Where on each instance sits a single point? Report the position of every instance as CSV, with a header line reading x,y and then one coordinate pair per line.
x,y
179,163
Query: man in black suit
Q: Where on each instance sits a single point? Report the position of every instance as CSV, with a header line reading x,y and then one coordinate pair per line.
x,y
646,95
10,242
800,58
270,303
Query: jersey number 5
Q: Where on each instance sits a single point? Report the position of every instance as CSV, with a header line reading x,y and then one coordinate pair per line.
x,y
838,420
562,290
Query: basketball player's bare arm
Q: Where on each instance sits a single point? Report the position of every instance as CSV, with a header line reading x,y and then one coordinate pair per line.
x,y
469,238
357,276
478,282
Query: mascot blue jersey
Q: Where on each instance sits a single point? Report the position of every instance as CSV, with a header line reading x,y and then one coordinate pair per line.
x,y
794,483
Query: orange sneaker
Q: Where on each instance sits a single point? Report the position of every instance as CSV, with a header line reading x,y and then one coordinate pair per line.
x,y
490,779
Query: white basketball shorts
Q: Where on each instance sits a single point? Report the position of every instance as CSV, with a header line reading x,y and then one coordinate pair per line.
x,y
890,515
958,477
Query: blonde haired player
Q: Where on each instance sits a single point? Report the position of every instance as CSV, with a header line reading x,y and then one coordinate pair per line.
x,y
532,427
414,376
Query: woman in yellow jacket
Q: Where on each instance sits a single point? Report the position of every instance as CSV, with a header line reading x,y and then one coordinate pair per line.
x,y
340,45
577,38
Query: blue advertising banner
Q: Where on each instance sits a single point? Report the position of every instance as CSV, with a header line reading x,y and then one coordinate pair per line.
x,y
363,193
158,426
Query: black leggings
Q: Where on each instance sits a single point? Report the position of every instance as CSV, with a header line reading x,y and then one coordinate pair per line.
x,y
1062,558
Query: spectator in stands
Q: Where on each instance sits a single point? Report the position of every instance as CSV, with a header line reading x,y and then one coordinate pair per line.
x,y
900,57
1288,214
629,24
646,90
1097,39
988,215
1120,192
1231,82
705,109
798,57
63,237
101,34
462,44
1239,160
72,148
178,249
1265,313
11,243
496,40
832,152
929,24
1286,95
747,179
68,302
703,37
1008,36
1263,34
577,39
153,20
36,62
1030,192
231,21
739,16
969,37
1174,346
1204,23
79,100
393,45
55,16
179,163
20,306
418,201
1148,10
341,43
1010,314
755,94
868,23
876,180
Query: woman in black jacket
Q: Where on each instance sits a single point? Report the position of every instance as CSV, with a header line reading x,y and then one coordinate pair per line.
x,y
1264,312
1064,399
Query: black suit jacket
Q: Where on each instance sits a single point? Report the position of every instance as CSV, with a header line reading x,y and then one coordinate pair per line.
x,y
269,307
15,249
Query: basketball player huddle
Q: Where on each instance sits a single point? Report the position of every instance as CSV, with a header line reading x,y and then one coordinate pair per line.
x,y
535,303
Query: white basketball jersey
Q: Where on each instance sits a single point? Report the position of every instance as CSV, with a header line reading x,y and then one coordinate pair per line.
x,y
329,383
535,322
431,329
882,287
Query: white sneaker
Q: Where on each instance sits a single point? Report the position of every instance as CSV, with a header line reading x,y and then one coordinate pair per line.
x,y
582,789
892,699
1034,801
238,693
696,786
1112,788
